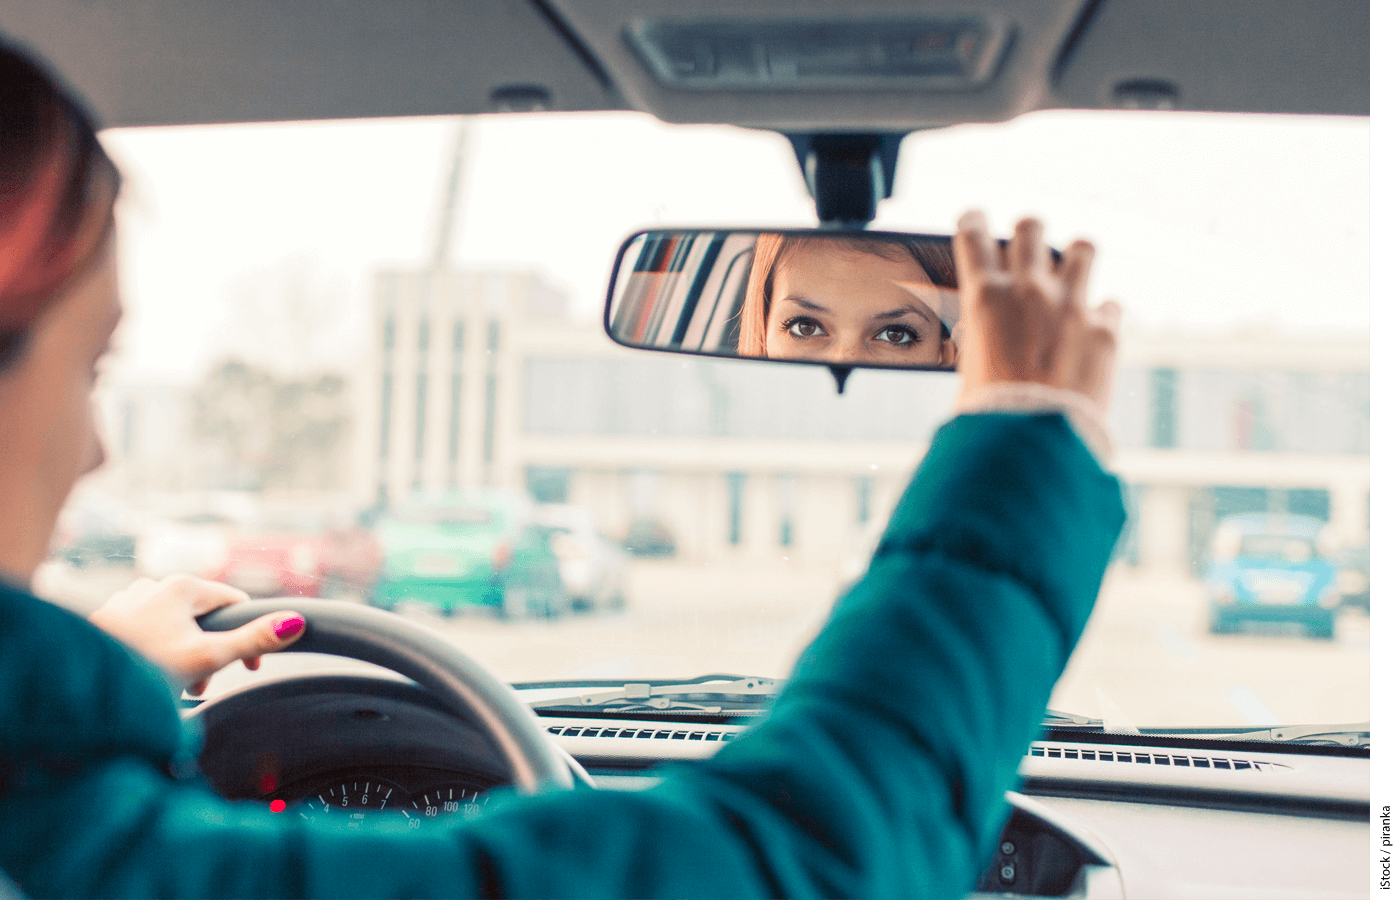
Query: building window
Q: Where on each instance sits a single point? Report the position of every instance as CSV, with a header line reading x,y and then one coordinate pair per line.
x,y
787,501
420,423
386,399
1233,501
488,422
1164,407
454,425
865,486
548,484
736,481
1309,502
1251,424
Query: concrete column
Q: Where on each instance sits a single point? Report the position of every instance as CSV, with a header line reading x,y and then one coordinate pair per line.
x,y
683,503
1163,517
1350,507
760,516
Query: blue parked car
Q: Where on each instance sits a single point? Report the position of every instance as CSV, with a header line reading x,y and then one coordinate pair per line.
x,y
1268,569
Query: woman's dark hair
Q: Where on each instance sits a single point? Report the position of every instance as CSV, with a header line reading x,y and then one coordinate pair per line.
x,y
57,191
934,256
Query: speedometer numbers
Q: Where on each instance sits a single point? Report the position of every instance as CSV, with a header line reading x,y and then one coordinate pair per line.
x,y
351,803
354,800
451,801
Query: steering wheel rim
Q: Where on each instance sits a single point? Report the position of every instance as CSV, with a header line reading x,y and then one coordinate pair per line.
x,y
466,688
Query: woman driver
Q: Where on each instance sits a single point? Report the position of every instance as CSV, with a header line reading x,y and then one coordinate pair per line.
x,y
58,309
849,299
880,771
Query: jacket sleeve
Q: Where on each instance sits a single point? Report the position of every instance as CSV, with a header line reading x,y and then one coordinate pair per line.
x,y
880,772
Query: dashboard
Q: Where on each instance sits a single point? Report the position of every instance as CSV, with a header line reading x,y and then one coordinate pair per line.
x,y
1098,816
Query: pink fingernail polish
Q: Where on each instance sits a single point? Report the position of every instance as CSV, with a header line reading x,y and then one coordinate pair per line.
x,y
290,626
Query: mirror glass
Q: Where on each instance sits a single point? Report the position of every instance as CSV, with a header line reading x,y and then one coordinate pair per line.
x,y
850,298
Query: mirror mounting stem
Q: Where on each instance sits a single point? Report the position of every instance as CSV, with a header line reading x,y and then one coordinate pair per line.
x,y
847,174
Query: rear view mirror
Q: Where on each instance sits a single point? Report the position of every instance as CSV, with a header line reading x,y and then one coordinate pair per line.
x,y
838,298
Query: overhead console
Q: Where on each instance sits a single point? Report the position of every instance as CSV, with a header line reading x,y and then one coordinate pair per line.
x,y
889,66
903,65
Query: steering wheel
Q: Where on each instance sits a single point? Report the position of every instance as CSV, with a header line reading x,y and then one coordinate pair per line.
x,y
388,640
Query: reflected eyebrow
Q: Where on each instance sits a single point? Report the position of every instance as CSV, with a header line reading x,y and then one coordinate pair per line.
x,y
806,304
902,311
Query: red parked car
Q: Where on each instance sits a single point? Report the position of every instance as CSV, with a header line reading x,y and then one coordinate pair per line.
x,y
302,556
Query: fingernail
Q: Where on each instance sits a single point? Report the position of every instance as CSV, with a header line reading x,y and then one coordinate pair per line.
x,y
290,626
972,219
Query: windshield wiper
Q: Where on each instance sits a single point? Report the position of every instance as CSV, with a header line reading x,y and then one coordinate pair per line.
x,y
739,693
1054,718
1358,735
691,695
686,695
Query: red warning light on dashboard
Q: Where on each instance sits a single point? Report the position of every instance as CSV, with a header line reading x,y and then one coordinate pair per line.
x,y
277,805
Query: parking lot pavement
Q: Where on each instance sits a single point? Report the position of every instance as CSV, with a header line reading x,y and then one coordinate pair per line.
x,y
1146,649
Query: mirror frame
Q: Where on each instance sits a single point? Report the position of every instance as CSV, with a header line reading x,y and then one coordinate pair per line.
x,y
839,371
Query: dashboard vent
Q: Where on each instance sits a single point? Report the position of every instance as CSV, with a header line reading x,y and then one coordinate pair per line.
x,y
1138,756
1156,757
654,734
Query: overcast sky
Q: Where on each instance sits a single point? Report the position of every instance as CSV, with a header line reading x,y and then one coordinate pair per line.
x,y
1205,223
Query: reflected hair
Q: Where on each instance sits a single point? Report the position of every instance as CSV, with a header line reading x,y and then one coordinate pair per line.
x,y
58,190
772,248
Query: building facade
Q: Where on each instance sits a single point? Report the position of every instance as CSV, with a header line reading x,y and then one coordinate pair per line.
x,y
480,379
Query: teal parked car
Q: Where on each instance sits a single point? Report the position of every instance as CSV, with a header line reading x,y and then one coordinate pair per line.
x,y
480,550
1268,569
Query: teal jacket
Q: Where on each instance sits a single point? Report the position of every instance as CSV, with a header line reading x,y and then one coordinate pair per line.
x,y
880,772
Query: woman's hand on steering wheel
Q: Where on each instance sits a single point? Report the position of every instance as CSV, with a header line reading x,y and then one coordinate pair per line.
x,y
157,619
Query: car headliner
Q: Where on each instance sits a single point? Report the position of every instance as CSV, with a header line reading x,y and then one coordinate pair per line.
x,y
165,62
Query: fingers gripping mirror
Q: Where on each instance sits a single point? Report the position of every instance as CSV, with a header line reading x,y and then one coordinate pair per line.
x,y
841,299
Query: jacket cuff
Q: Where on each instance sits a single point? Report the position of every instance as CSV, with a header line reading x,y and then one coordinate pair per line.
x,y
1083,414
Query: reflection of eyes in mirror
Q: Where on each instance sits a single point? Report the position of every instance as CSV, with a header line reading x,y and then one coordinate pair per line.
x,y
855,298
849,301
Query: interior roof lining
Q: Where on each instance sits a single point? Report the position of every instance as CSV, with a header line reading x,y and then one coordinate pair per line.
x,y
164,62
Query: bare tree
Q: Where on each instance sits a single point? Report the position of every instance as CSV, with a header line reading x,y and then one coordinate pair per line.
x,y
266,431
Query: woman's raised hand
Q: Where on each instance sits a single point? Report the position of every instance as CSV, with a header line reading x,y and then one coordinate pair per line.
x,y
1025,317
158,620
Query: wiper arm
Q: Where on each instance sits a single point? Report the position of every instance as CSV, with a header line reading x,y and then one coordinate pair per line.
x,y
1358,735
1054,718
640,695
660,696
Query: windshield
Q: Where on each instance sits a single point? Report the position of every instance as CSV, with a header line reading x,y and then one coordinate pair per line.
x,y
384,318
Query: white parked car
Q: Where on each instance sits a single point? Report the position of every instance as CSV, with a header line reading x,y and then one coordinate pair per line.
x,y
590,564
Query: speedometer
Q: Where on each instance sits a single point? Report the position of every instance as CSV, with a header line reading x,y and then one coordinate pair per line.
x,y
444,801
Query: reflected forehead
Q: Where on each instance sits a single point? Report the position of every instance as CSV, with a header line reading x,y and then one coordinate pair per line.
x,y
806,264
836,279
